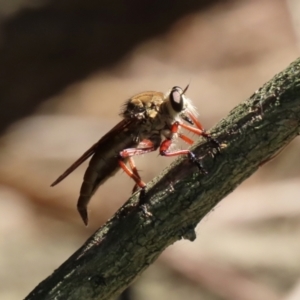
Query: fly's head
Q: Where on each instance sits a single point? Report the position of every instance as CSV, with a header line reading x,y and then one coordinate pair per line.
x,y
178,105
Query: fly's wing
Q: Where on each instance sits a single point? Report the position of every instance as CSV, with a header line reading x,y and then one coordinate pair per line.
x,y
119,127
76,164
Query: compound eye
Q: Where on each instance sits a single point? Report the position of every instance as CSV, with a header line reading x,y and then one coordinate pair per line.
x,y
176,99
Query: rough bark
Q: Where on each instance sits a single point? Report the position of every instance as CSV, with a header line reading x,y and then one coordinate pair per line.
x,y
181,196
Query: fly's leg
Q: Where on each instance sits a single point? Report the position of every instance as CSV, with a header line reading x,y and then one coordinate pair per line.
x,y
132,174
147,146
186,139
165,145
138,183
200,131
191,154
144,147
134,171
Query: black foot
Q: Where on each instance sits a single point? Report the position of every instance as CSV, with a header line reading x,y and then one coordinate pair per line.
x,y
213,140
197,162
142,204
142,196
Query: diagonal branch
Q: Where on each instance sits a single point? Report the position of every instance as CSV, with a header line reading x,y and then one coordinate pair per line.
x,y
181,196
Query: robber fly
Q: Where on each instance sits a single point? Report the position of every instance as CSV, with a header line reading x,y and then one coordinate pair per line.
x,y
151,120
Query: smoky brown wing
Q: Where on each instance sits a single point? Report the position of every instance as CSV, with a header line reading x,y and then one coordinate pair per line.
x,y
76,164
115,130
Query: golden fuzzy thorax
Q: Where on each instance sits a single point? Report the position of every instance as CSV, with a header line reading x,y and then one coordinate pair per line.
x,y
155,114
149,104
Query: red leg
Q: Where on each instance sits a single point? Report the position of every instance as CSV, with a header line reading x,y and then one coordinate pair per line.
x,y
186,139
193,129
144,146
165,145
133,167
135,172
135,151
131,174
199,130
196,122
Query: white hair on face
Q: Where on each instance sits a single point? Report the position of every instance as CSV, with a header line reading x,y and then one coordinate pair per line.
x,y
187,107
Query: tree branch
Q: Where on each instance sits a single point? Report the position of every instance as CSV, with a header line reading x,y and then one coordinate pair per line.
x,y
181,196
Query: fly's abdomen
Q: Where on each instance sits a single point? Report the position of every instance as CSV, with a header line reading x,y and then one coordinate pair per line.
x,y
103,165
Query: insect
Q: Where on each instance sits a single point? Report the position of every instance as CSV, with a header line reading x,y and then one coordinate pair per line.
x,y
151,120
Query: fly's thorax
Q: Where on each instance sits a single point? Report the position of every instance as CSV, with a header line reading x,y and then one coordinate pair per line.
x,y
143,106
153,105
155,112
158,124
145,109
